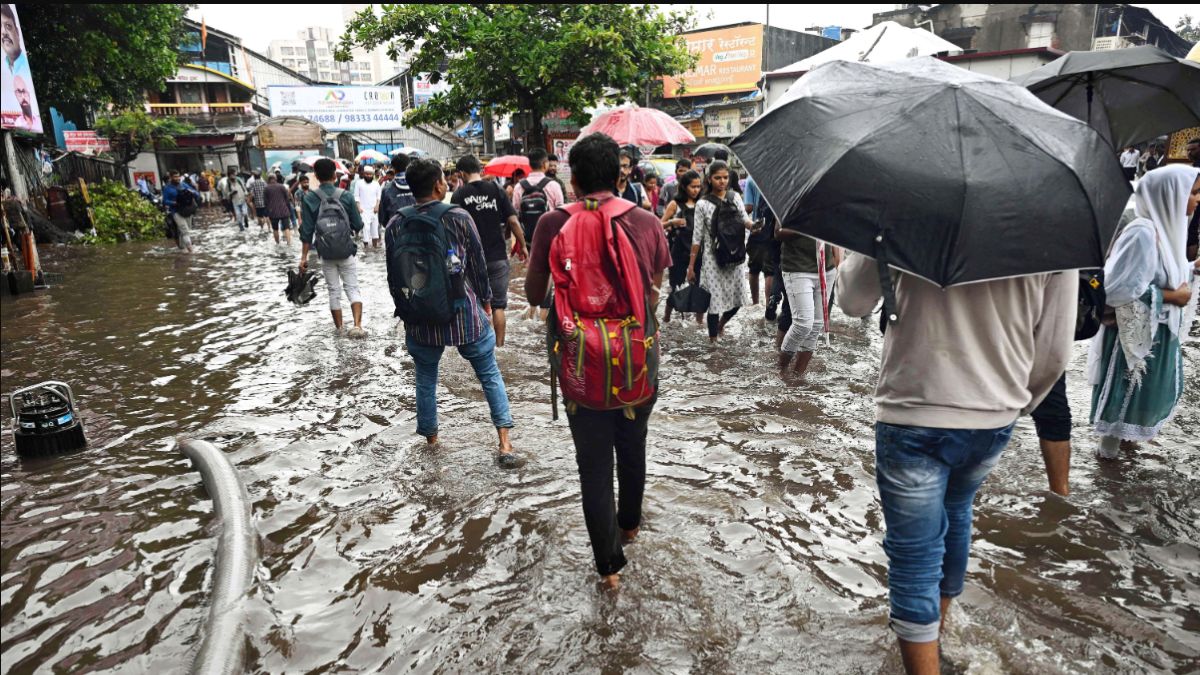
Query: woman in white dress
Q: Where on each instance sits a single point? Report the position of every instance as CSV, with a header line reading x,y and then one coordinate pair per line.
x,y
1136,367
728,285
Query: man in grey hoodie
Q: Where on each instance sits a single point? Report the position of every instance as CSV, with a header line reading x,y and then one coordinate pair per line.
x,y
958,368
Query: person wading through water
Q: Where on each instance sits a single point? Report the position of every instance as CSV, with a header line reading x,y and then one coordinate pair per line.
x,y
497,221
438,278
679,222
600,430
720,240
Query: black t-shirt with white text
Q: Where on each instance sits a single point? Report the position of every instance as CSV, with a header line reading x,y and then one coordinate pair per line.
x,y
490,208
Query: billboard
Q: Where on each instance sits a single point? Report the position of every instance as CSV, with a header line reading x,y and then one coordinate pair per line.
x,y
340,108
423,89
85,141
730,61
18,102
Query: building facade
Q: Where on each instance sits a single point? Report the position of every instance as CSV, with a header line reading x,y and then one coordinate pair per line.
x,y
311,54
1065,27
220,89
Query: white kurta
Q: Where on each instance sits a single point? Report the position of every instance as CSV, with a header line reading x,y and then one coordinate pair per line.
x,y
729,286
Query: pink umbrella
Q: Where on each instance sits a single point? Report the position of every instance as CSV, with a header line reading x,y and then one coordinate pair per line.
x,y
632,125
505,165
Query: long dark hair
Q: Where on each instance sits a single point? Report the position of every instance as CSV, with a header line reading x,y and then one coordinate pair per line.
x,y
714,167
681,196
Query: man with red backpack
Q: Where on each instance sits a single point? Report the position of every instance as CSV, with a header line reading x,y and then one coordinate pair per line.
x,y
607,258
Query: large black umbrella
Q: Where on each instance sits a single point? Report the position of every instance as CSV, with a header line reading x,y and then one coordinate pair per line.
x,y
1128,95
708,151
947,174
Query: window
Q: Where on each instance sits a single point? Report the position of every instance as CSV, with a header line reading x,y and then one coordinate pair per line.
x,y
290,63
322,52
1041,34
324,64
286,51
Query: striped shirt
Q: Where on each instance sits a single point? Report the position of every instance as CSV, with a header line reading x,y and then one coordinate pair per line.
x,y
470,323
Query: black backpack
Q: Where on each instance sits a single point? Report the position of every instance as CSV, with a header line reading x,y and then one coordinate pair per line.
x,y
334,237
1092,298
728,231
533,205
185,203
417,270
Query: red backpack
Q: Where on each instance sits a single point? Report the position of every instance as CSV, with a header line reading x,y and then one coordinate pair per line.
x,y
602,336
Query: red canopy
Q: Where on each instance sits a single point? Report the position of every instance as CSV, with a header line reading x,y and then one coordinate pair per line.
x,y
505,165
642,127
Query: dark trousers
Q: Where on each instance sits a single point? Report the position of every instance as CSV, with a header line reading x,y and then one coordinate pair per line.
x,y
1052,417
596,434
714,321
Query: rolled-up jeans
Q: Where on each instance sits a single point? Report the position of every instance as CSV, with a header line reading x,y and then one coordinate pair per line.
x,y
927,480
341,274
481,354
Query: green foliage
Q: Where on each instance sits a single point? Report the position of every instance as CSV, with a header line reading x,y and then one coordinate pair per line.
x,y
1187,29
95,54
121,214
133,130
527,58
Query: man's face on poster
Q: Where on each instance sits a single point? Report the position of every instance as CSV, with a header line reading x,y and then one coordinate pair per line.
x,y
21,91
10,39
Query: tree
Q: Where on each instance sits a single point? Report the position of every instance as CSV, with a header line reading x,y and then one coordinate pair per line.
x,y
1187,30
90,55
529,59
133,130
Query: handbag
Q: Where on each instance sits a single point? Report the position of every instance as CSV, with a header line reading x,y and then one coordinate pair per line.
x,y
691,299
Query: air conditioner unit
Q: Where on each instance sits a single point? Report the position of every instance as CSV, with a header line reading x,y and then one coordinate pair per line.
x,y
1108,43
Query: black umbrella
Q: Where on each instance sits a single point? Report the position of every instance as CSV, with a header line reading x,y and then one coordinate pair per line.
x,y
301,288
947,174
1128,95
709,151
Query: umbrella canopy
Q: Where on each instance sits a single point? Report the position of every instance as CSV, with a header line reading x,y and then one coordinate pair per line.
x,y
411,152
643,127
1128,95
371,155
505,165
709,150
961,177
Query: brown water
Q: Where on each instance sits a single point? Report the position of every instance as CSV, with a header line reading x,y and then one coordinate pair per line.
x,y
761,549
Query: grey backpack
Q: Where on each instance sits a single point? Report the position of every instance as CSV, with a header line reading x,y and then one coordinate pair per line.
x,y
335,239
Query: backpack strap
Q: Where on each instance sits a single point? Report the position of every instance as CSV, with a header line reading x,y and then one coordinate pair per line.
x,y
541,186
526,185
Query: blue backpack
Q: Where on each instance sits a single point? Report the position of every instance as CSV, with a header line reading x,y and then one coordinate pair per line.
x,y
419,266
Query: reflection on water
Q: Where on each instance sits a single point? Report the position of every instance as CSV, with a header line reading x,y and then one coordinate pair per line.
x,y
761,549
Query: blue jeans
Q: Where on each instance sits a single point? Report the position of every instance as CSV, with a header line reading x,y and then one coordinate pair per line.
x,y
482,356
927,481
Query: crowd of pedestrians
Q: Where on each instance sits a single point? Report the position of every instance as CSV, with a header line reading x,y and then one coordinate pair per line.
x,y
956,373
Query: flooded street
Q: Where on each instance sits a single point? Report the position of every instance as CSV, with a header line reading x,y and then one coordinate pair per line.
x,y
761,549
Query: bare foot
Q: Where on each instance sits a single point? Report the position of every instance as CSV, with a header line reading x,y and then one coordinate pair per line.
x,y
431,442
629,536
611,582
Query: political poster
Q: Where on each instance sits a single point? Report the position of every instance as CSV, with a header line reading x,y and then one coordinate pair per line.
x,y
18,101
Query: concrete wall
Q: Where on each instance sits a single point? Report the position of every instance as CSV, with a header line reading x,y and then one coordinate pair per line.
x,y
785,47
1006,67
999,27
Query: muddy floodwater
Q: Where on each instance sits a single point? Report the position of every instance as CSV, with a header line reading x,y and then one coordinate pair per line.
x,y
761,549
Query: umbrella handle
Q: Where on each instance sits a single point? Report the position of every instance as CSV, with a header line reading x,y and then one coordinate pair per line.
x,y
890,314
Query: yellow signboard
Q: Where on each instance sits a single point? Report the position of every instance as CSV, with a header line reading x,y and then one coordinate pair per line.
x,y
730,61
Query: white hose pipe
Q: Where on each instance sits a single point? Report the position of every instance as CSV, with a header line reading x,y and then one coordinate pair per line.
x,y
223,650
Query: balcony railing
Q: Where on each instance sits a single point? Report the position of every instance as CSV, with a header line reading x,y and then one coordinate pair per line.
x,y
189,109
